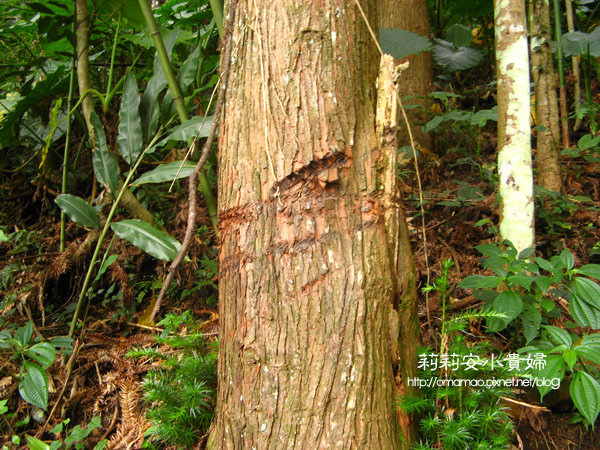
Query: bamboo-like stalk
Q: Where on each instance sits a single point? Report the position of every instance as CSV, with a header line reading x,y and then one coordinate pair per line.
x,y
177,96
217,10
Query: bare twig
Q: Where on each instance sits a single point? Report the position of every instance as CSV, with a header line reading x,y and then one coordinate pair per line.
x,y
193,181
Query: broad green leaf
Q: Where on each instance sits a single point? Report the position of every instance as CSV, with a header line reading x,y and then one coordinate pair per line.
x,y
559,335
589,270
459,35
144,236
479,282
33,386
591,340
453,58
543,282
105,163
521,280
591,354
126,8
481,117
130,124
554,368
566,257
24,333
544,264
585,392
526,253
53,86
167,172
489,249
583,313
587,141
149,108
579,43
509,304
588,291
570,357
187,72
36,444
78,210
189,129
43,353
531,318
401,43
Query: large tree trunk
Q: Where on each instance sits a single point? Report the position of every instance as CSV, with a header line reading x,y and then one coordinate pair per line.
x,y
546,101
412,15
307,287
514,124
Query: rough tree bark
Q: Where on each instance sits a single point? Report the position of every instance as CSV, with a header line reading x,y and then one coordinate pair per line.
x,y
514,124
546,101
308,286
412,15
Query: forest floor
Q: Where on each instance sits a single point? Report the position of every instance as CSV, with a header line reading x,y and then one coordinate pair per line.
x,y
458,191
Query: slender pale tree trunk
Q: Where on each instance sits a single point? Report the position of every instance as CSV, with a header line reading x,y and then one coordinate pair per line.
x,y
575,63
546,101
514,126
308,286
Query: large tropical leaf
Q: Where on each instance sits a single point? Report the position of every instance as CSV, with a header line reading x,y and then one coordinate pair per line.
x,y
55,84
579,43
78,210
453,58
149,108
106,166
401,43
144,236
33,386
130,124
585,392
196,126
167,172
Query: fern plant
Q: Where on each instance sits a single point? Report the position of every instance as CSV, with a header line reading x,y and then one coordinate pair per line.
x,y
452,414
180,394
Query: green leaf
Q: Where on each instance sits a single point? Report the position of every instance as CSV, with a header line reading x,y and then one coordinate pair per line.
x,y
453,58
583,313
570,357
187,72
585,392
521,280
459,35
546,265
36,444
590,354
591,340
167,172
531,318
579,43
105,265
543,282
559,335
78,210
509,304
130,125
554,368
33,386
567,259
587,141
53,86
526,253
588,291
401,43
144,236
481,117
44,353
489,249
149,108
105,163
479,282
24,333
188,130
589,270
